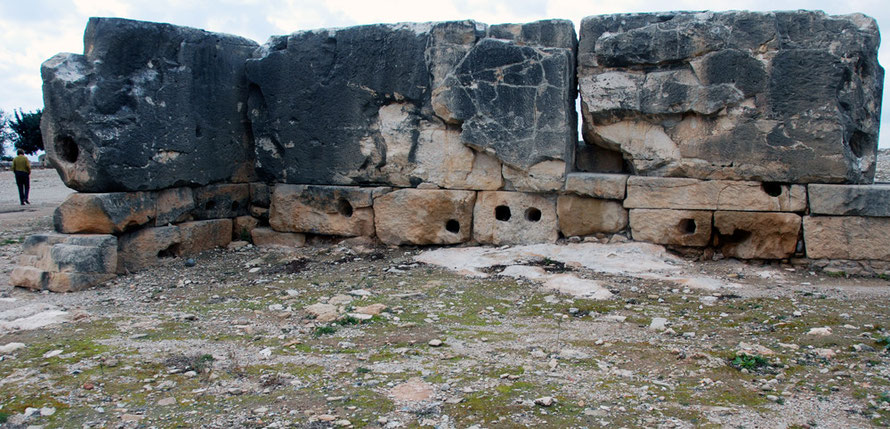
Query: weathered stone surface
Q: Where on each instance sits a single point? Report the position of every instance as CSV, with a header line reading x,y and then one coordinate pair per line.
x,y
242,227
66,263
412,216
174,205
768,96
753,235
266,237
226,200
202,235
327,210
260,194
515,100
111,213
148,106
850,200
145,247
694,194
671,227
514,218
387,104
544,176
598,185
585,216
847,237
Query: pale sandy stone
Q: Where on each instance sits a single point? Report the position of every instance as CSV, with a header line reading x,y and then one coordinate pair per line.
x,y
597,185
502,217
110,213
266,237
326,210
672,227
412,216
585,216
198,236
544,176
757,235
847,237
694,194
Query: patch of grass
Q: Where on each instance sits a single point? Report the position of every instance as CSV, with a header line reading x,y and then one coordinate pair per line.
x,y
197,362
323,330
3,417
883,342
884,397
836,274
348,320
749,362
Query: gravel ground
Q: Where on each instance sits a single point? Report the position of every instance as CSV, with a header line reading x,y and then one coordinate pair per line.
x,y
240,340
882,173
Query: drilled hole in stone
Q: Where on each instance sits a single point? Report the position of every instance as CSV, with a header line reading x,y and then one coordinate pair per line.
x,y
737,236
235,206
344,208
170,252
772,189
452,226
198,132
687,226
210,205
67,149
502,213
533,214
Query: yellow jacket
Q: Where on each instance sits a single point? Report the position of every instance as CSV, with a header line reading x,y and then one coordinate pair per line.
x,y
20,163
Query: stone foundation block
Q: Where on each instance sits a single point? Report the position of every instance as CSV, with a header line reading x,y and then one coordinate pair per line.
x,y
671,227
597,185
326,210
199,236
260,194
847,237
694,194
850,200
174,205
66,263
515,218
544,176
222,201
145,247
585,216
423,217
266,237
752,235
109,213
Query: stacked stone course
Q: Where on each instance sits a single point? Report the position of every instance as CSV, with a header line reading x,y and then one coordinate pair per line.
x,y
697,132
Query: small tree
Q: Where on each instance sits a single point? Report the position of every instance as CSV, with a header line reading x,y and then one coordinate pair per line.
x,y
6,135
26,129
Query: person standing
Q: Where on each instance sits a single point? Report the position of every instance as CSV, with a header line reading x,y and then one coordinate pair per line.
x,y
22,170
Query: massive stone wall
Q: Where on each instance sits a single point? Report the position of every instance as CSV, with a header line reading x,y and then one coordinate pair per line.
x,y
750,135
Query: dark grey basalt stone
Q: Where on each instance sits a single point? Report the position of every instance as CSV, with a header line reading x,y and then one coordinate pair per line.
x,y
148,106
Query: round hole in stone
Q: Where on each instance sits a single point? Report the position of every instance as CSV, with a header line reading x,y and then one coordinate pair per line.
x,y
344,208
67,149
687,226
533,214
169,252
210,205
452,226
198,132
772,189
502,213
235,206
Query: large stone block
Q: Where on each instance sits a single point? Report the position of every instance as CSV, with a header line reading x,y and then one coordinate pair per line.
x,y
414,216
671,227
146,247
693,194
327,210
757,235
767,96
442,103
585,216
847,237
597,185
219,201
850,200
66,263
202,235
148,106
515,218
109,213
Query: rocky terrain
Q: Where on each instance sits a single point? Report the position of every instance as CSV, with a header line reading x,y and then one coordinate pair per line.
x,y
353,335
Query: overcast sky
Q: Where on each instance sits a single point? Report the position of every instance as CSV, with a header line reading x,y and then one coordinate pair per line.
x,y
31,31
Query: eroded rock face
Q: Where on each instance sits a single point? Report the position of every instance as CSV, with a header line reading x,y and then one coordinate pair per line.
x,y
148,106
771,96
751,235
403,104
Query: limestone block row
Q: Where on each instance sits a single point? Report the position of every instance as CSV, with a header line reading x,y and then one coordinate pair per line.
x,y
120,212
745,235
850,200
66,263
848,222
326,210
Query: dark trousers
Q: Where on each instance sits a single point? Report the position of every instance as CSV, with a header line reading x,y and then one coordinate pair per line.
x,y
23,182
